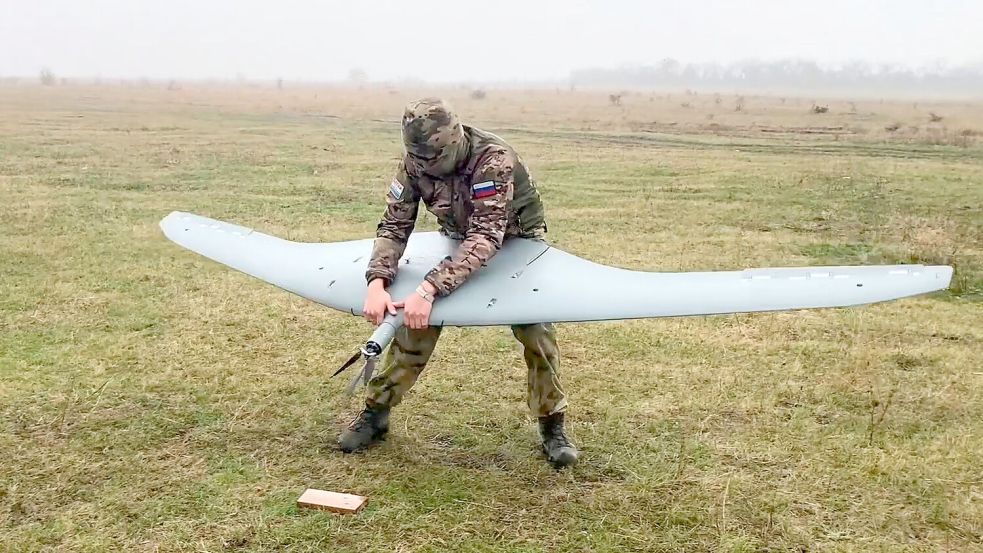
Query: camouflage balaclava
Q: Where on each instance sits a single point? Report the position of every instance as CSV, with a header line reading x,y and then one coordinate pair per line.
x,y
433,137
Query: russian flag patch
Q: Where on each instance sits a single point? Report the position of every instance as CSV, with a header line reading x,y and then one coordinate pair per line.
x,y
483,189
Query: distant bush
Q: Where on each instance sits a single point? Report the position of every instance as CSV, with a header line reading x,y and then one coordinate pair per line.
x,y
478,94
820,109
892,127
48,77
945,137
934,117
358,76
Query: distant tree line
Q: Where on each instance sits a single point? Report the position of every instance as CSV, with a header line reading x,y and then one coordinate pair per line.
x,y
787,75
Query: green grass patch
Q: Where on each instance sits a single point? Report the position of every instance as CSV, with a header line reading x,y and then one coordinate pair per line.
x,y
153,400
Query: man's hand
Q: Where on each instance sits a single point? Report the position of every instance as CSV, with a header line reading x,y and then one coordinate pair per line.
x,y
378,302
416,308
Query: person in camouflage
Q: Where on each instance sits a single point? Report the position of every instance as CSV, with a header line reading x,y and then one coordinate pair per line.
x,y
482,194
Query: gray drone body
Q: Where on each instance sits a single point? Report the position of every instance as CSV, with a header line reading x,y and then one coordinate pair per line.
x,y
530,281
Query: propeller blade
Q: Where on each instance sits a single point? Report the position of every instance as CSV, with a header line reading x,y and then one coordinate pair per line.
x,y
369,370
353,383
349,363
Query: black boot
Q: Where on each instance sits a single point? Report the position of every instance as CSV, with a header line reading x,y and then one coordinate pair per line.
x,y
559,451
368,427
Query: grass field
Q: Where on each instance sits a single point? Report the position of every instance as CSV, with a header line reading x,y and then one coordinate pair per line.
x,y
151,400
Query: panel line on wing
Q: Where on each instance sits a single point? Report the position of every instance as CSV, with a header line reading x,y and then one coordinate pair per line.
x,y
533,260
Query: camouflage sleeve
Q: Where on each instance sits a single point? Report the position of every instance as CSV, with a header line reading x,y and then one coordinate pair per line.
x,y
394,230
491,192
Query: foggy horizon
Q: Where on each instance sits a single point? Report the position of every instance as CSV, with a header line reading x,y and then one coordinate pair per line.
x,y
447,43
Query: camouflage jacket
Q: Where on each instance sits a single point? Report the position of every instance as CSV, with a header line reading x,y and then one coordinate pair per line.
x,y
491,197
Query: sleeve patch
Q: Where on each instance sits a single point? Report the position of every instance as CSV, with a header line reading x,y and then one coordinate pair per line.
x,y
483,189
396,189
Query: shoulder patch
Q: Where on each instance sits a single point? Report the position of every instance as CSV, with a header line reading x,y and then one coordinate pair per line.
x,y
396,189
483,189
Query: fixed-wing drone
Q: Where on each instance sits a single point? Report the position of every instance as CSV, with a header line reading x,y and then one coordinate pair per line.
x,y
530,281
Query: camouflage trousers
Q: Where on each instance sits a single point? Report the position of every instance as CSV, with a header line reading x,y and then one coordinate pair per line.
x,y
411,349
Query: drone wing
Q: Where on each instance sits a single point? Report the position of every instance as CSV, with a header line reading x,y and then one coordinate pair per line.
x,y
329,274
529,281
558,287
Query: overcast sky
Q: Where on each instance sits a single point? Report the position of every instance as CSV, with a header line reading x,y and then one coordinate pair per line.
x,y
445,40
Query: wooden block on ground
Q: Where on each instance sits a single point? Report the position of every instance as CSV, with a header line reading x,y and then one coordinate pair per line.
x,y
344,503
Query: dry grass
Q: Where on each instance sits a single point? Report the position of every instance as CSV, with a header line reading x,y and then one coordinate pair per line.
x,y
152,400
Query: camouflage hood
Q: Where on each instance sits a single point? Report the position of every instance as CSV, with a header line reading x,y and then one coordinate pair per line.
x,y
434,138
